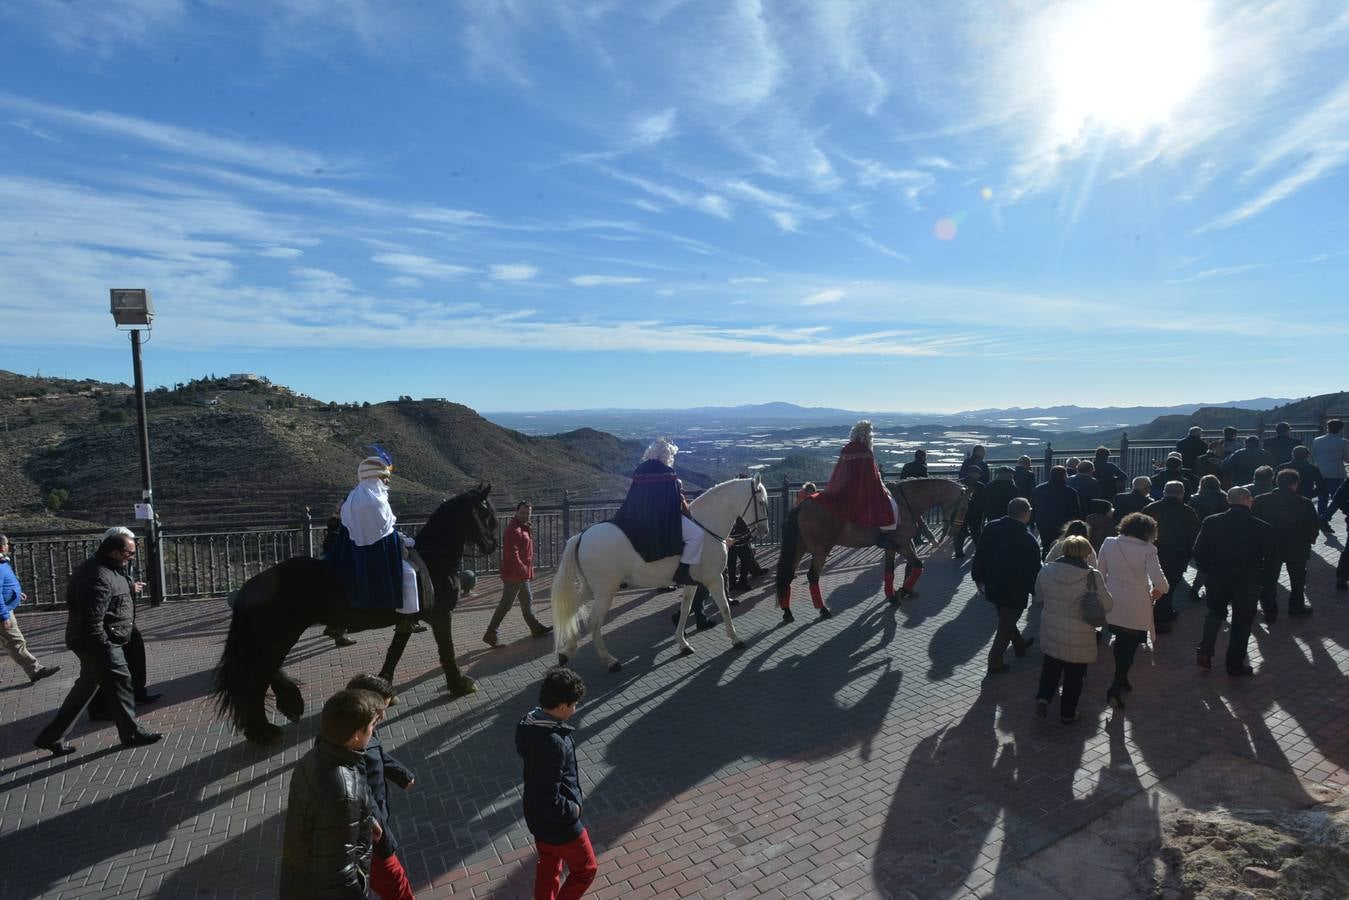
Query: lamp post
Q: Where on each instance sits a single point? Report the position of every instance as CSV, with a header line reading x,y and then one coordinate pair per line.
x,y
132,307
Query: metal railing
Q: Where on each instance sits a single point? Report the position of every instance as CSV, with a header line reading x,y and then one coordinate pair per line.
x,y
209,564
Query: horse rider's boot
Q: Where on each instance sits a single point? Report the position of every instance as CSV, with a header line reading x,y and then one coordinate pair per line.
x,y
682,576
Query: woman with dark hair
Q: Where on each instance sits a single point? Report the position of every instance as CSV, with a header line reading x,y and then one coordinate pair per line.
x,y
1075,528
1133,576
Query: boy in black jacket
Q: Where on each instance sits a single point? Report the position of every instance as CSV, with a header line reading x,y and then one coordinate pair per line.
x,y
388,879
552,792
330,815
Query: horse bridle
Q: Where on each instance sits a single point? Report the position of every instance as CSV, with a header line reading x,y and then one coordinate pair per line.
x,y
753,501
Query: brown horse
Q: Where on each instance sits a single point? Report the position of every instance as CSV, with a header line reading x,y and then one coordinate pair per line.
x,y
810,528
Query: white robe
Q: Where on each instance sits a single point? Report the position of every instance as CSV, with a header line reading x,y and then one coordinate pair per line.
x,y
369,519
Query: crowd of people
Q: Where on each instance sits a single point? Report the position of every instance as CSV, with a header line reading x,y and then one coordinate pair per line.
x,y
1106,561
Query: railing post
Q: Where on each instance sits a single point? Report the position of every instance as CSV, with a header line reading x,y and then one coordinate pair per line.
x,y
786,496
566,516
1049,458
1124,450
307,523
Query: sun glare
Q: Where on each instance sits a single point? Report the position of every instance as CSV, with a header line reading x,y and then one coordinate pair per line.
x,y
1125,65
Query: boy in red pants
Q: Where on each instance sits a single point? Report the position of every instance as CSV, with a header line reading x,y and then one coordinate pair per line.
x,y
388,879
552,795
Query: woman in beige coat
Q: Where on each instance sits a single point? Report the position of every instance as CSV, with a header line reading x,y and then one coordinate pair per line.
x,y
1068,642
1134,575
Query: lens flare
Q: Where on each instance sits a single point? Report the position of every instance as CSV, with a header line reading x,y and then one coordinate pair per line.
x,y
945,229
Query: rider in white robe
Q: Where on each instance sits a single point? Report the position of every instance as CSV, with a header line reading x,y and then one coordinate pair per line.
x,y
369,519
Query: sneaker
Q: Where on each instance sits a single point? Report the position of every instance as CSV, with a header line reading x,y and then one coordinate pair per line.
x,y
44,672
490,639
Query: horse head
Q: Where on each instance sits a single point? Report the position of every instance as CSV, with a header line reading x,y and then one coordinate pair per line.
x,y
759,498
485,527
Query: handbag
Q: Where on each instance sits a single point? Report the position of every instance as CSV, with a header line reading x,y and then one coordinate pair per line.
x,y
1092,612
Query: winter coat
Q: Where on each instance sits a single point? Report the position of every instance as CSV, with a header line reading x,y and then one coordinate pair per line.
x,y
1056,551
552,794
1295,522
1309,477
1208,503
1025,481
330,817
1241,466
1177,525
380,768
1281,448
99,602
517,552
1190,449
1110,480
1006,561
10,591
972,464
1053,506
913,469
1087,487
1100,522
1064,634
1184,476
1130,502
1131,571
997,494
1234,548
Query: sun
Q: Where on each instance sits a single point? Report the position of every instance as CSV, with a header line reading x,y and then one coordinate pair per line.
x,y
1125,65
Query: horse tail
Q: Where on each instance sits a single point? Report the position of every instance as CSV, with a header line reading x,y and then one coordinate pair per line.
x,y
237,669
568,614
791,533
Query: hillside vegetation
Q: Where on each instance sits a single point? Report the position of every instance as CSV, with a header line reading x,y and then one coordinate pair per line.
x,y
231,451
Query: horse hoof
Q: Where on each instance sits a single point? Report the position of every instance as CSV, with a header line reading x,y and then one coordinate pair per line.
x,y
738,645
825,613
616,667
461,686
562,659
686,650
263,735
787,617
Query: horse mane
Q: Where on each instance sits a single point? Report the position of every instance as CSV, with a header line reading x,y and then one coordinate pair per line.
x,y
442,519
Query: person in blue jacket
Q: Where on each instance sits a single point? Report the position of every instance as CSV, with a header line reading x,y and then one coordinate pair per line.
x,y
11,595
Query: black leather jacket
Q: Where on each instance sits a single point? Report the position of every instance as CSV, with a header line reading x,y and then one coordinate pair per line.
x,y
99,604
329,833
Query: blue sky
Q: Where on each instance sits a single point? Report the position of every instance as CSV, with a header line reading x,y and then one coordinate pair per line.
x,y
533,205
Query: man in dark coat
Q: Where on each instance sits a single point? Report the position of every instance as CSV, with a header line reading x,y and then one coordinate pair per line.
x,y
973,526
1240,466
1281,445
1340,501
917,468
1234,550
1177,528
1054,504
1172,470
1191,447
1308,473
1134,500
999,492
98,601
1085,483
655,515
1296,526
1006,563
1024,476
975,461
1110,478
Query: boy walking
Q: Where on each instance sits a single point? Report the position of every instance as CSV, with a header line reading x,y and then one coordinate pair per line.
x,y
330,815
552,794
387,877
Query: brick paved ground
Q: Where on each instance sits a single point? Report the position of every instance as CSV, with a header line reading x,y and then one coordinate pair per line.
x,y
860,756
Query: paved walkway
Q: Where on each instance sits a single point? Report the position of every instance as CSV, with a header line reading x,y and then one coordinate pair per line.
x,y
859,756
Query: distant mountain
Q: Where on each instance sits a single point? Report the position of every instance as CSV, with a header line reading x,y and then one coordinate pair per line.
x,y
1090,419
1309,410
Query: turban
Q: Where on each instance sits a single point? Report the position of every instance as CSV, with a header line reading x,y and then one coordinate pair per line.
x,y
373,467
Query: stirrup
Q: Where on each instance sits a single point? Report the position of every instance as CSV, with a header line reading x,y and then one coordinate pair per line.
x,y
682,576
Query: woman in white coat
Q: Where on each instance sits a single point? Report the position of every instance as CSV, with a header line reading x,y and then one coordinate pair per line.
x,y
1135,580
1069,642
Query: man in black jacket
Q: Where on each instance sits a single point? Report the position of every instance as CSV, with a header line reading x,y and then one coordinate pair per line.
x,y
1340,501
1110,477
973,526
98,601
1296,527
999,492
1308,473
1006,563
1054,505
1191,447
1135,500
1234,550
1177,527
1024,476
1172,470
331,824
1281,445
1240,466
917,468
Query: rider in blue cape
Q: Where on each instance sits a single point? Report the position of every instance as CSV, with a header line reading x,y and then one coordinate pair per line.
x,y
368,552
655,516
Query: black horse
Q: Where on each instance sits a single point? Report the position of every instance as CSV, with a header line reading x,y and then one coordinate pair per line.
x,y
274,607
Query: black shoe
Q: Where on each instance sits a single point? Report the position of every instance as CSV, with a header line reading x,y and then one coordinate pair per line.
x,y
1164,627
1042,708
56,748
1269,618
44,672
959,554
1029,642
541,630
143,739
1204,662
146,697
1240,671
1115,700
419,628
1299,611
1068,720
704,624
682,576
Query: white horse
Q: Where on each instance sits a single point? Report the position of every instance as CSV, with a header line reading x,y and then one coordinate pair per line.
x,y
600,559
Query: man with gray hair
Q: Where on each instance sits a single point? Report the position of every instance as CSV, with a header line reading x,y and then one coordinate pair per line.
x,y
1177,527
98,600
1296,527
1234,551
1134,500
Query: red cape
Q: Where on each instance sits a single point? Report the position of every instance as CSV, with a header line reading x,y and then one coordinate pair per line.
x,y
855,493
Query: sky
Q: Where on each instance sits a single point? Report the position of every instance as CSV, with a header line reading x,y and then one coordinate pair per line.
x,y
567,204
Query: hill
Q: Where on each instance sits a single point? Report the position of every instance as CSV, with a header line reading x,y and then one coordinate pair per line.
x,y
1306,410
229,450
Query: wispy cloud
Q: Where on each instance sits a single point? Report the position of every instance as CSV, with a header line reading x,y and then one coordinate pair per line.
x,y
829,295
604,280
281,252
421,266
1217,272
513,272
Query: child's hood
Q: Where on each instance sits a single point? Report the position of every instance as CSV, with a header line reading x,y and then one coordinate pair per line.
x,y
538,726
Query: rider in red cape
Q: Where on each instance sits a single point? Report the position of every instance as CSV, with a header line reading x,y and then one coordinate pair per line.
x,y
855,492
655,515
